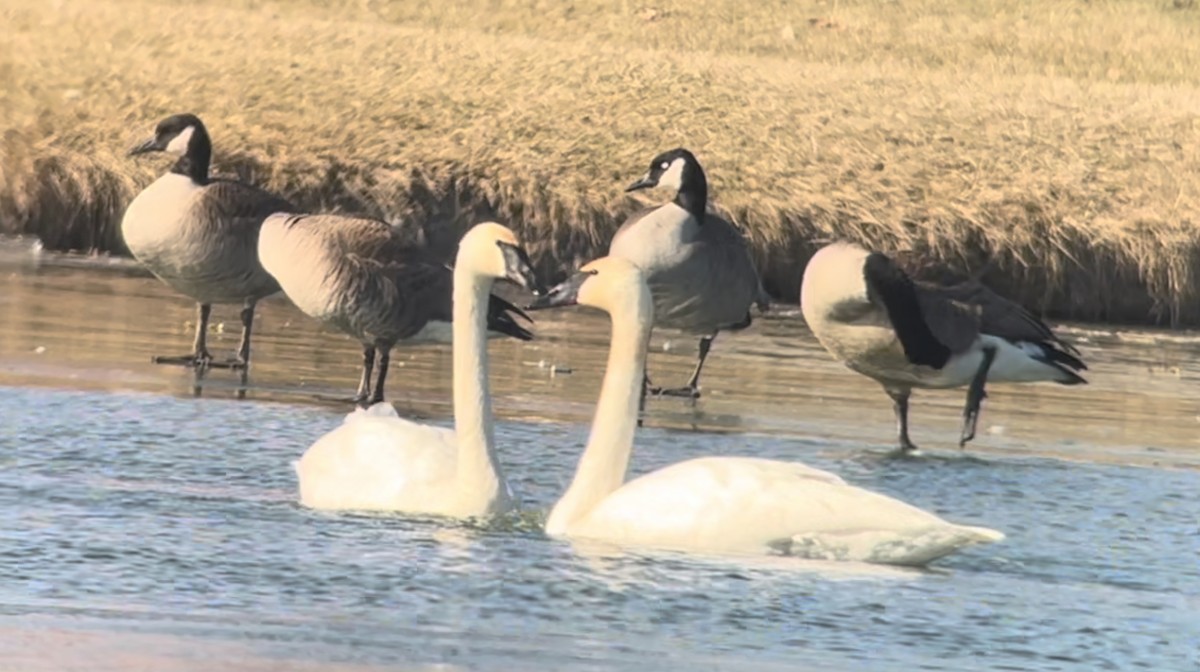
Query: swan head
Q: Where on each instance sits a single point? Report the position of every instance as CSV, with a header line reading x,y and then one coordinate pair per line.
x,y
611,284
670,169
174,135
492,250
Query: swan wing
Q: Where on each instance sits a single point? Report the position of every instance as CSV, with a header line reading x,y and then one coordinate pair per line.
x,y
735,504
378,461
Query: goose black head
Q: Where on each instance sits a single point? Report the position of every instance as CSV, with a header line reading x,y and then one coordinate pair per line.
x,y
678,169
673,170
176,134
183,135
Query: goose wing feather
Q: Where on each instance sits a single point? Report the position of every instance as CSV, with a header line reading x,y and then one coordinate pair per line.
x,y
730,260
238,208
392,285
702,277
955,323
929,325
1000,316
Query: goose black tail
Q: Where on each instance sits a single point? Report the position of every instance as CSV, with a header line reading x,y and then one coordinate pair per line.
x,y
502,318
1064,361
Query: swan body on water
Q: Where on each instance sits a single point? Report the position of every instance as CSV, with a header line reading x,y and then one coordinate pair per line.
x,y
718,504
377,461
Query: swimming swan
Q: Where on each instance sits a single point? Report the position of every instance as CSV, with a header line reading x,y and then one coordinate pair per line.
x,y
377,461
718,504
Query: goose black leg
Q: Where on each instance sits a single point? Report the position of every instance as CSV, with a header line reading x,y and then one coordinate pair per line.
x,y
692,389
642,399
198,382
900,406
384,359
975,397
199,359
243,357
243,381
364,383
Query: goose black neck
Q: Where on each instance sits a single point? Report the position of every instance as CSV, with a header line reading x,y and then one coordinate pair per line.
x,y
693,190
194,162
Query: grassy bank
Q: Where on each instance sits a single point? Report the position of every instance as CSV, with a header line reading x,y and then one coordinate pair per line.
x,y
1055,142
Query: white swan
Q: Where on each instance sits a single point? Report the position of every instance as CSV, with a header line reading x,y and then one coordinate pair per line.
x,y
718,504
377,461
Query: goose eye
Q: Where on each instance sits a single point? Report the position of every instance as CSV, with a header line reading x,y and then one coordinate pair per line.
x,y
664,165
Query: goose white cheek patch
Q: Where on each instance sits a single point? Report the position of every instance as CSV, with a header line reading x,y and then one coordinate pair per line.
x,y
179,143
672,177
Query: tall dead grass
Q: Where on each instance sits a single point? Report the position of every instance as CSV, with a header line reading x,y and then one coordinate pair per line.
x,y
1062,164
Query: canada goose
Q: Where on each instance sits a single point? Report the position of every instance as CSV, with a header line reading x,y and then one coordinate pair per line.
x,y
200,235
378,461
717,504
870,314
699,267
360,276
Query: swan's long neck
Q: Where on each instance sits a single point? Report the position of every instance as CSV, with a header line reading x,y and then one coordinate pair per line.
x,y
479,477
605,460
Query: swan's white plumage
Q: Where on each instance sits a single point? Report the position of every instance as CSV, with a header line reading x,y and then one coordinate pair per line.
x,y
722,504
743,504
378,461
391,464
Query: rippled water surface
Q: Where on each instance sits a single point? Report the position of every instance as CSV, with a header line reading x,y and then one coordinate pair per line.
x,y
147,523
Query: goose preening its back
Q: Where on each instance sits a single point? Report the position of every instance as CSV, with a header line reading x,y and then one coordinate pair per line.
x,y
359,275
699,267
870,314
717,504
200,235
376,461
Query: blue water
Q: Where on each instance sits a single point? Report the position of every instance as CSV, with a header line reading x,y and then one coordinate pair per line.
x,y
129,513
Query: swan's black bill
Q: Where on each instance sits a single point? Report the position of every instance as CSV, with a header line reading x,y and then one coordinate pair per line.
x,y
151,145
565,293
519,269
645,183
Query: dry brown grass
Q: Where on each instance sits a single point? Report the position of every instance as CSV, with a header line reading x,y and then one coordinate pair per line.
x,y
1056,141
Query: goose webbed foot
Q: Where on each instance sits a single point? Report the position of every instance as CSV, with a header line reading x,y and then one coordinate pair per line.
x,y
907,448
361,399
692,389
368,395
235,364
367,402
685,392
360,402
200,361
